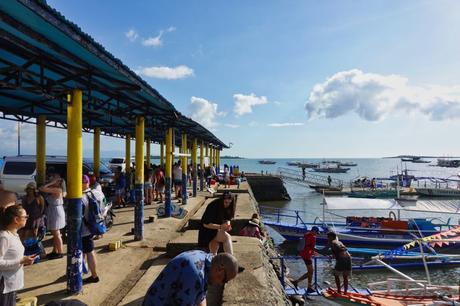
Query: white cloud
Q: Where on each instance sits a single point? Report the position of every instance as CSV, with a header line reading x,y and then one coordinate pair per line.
x,y
156,41
244,103
285,124
205,112
169,73
132,35
232,126
374,96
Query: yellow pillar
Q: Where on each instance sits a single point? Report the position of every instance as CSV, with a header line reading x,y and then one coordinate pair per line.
x,y
211,156
162,154
140,150
74,146
128,154
74,191
202,166
97,151
147,161
184,151
41,150
207,150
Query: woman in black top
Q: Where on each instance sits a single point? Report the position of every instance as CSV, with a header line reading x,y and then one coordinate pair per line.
x,y
215,224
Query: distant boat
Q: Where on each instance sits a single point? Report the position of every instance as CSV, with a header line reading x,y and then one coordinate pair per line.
x,y
449,163
415,159
308,165
336,169
267,162
348,164
293,163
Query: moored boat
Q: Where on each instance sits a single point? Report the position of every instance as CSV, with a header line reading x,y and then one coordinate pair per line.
x,y
336,169
438,192
267,162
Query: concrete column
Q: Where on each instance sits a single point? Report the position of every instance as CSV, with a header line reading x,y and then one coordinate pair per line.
x,y
97,151
202,166
41,150
184,162
194,167
168,171
148,157
162,154
74,192
139,182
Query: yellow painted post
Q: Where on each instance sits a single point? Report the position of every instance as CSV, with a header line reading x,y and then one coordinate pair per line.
x,y
147,161
184,164
211,157
41,150
97,151
139,182
168,171
201,166
207,151
162,154
74,191
194,167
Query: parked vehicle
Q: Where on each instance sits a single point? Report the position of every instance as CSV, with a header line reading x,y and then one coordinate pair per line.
x,y
17,171
116,162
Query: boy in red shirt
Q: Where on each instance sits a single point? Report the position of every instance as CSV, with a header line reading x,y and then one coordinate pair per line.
x,y
307,253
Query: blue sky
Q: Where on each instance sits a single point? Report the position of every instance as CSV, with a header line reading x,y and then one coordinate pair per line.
x,y
289,78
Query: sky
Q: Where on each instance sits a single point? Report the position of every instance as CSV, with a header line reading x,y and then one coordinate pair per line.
x,y
287,79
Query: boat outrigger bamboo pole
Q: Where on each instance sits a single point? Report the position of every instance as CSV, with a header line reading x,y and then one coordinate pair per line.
x,y
41,150
139,182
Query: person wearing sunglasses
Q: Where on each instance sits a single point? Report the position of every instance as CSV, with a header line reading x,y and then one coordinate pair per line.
x,y
185,279
12,257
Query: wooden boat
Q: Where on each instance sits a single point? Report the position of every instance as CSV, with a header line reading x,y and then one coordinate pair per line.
x,y
387,299
348,164
267,162
308,165
294,163
438,192
336,169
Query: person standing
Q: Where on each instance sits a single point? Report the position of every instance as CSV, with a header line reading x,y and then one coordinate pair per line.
x,y
329,180
55,215
185,279
120,187
87,239
342,261
307,254
12,257
177,179
34,205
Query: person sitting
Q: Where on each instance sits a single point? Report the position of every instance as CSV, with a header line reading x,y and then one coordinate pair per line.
x,y
252,229
215,224
185,279
342,260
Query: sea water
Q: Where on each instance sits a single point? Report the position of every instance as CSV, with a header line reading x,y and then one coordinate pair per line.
x,y
308,201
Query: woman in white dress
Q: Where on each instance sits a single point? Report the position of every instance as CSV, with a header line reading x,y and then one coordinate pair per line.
x,y
55,214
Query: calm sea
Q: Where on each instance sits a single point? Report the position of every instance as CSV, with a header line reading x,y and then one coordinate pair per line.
x,y
306,200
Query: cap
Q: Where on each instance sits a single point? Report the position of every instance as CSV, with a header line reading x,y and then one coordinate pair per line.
x,y
85,179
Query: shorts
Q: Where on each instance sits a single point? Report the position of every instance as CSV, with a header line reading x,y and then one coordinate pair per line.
x,y
87,244
307,261
160,188
178,182
343,266
148,185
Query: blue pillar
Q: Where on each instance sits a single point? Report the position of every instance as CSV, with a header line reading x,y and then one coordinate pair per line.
x,y
139,212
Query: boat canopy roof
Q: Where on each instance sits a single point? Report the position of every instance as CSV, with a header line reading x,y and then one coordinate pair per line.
x,y
442,206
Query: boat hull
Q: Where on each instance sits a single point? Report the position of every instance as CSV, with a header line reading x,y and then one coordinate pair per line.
x,y
439,192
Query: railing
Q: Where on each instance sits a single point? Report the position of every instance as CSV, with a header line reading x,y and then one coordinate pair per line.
x,y
277,214
308,178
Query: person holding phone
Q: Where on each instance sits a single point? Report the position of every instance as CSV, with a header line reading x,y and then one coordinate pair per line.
x,y
12,257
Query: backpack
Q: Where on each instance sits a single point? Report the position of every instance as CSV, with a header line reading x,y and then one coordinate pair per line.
x,y
95,222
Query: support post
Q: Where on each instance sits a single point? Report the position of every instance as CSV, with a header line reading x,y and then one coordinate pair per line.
x,y
207,153
147,154
41,150
184,163
211,157
162,154
194,168
74,192
139,182
202,166
168,171
128,161
97,151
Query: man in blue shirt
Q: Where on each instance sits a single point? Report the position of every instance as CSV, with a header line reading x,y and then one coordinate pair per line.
x,y
184,281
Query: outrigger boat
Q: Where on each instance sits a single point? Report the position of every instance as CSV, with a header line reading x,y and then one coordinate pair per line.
x,y
331,169
359,231
267,162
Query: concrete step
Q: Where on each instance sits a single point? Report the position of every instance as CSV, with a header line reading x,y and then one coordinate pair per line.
x,y
185,242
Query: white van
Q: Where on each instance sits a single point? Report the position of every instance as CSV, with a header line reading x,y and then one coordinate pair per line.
x,y
17,171
116,162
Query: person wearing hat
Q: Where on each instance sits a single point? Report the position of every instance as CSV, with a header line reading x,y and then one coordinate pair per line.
x,y
185,279
252,229
215,224
34,204
55,213
307,254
